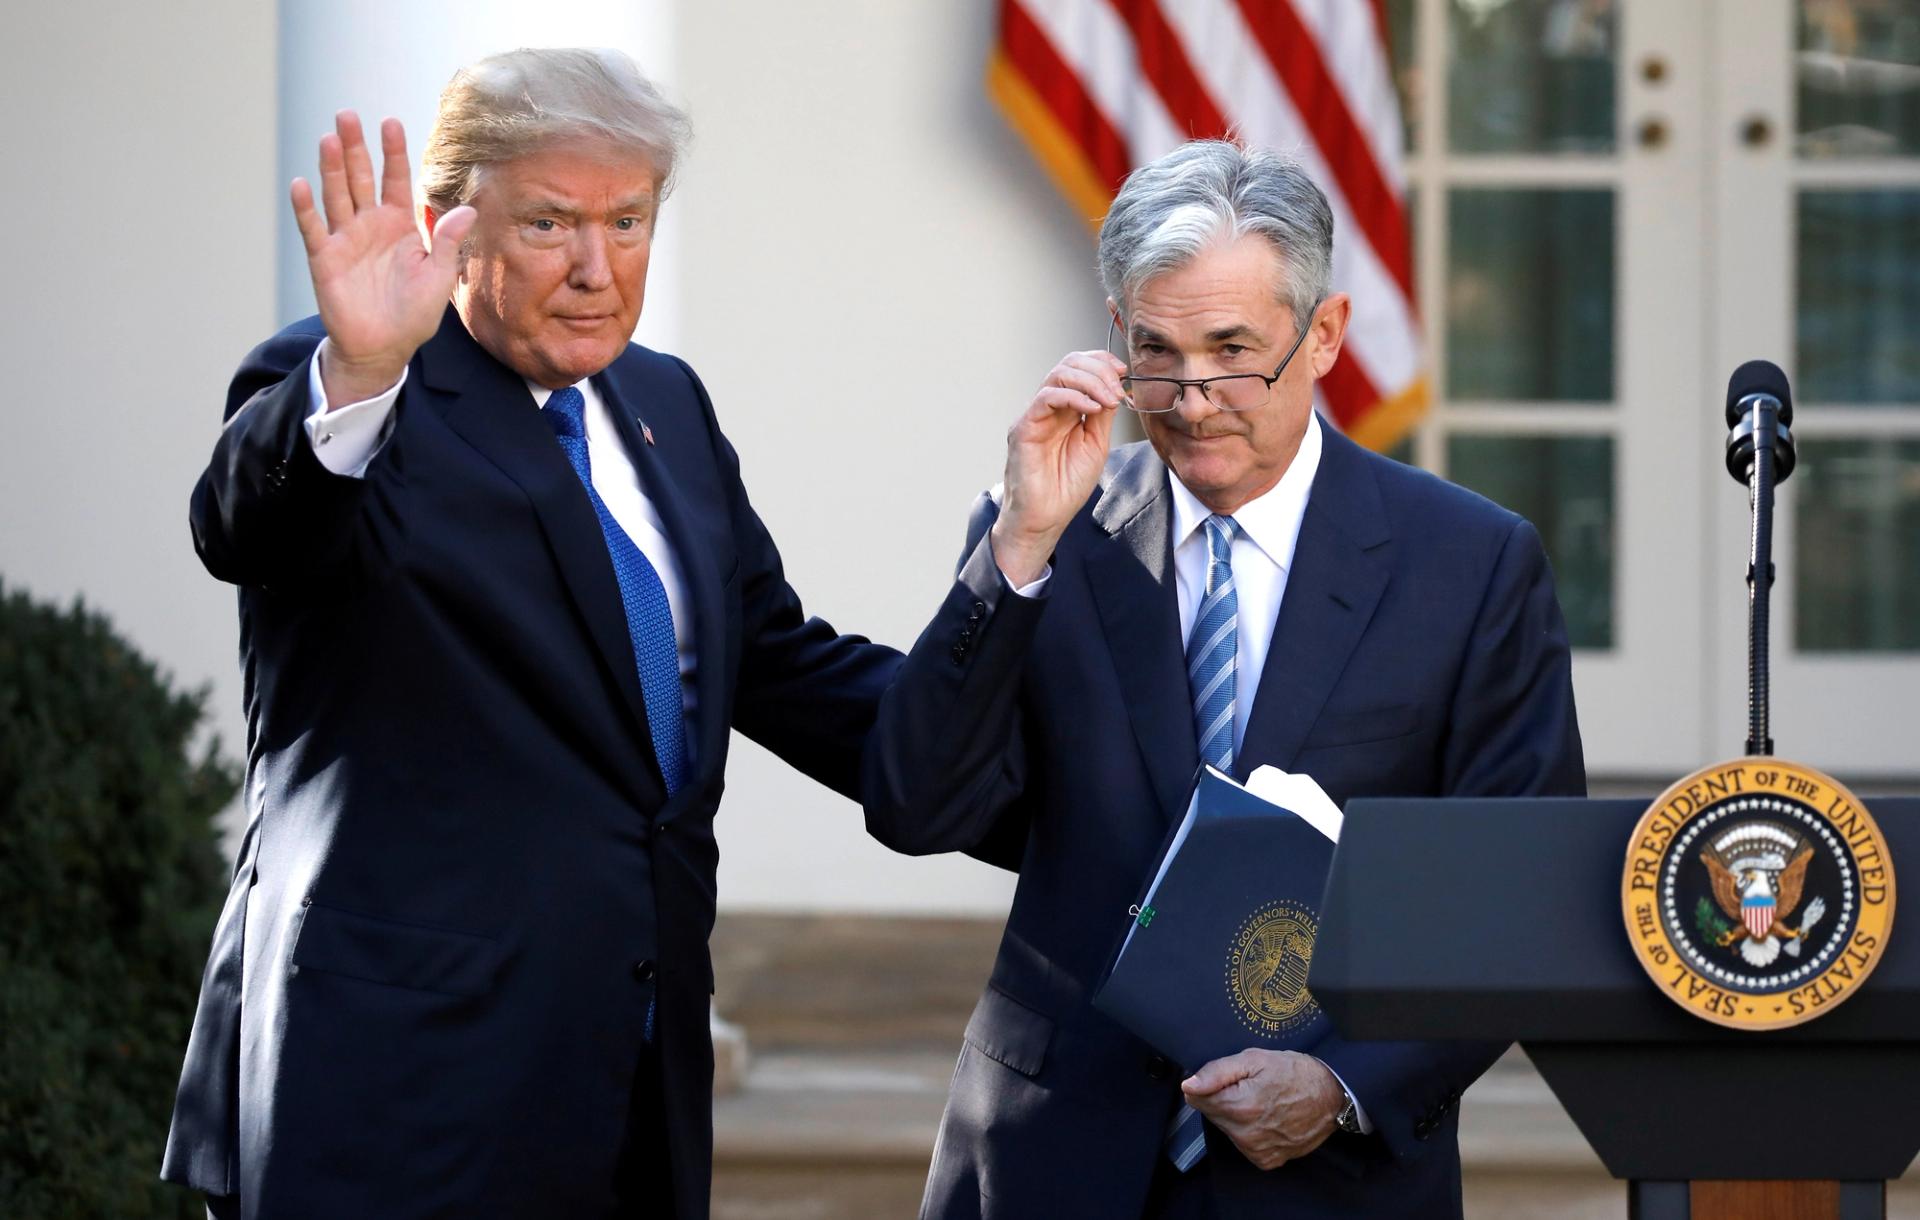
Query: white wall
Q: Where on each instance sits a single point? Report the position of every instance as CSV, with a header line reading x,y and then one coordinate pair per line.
x,y
876,277
139,269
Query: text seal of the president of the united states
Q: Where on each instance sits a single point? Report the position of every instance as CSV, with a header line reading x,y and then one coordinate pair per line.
x,y
1758,893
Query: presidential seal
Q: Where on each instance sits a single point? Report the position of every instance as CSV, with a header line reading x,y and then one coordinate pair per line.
x,y
1758,893
1267,969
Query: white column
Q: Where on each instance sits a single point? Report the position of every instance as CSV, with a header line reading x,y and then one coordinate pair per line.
x,y
380,58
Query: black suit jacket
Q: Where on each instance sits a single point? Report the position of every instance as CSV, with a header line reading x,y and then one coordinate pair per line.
x,y
462,881
1418,651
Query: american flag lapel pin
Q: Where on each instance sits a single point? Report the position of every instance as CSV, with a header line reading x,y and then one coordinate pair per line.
x,y
646,433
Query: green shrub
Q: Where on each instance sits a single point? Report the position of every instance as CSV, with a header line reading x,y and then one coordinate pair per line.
x,y
110,880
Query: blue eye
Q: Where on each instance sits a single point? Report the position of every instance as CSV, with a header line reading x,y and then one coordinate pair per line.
x,y
544,224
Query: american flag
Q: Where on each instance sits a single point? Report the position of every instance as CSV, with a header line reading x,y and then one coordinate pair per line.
x,y
1097,87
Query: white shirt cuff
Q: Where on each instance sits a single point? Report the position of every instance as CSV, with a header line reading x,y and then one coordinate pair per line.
x,y
347,438
1039,584
1359,1111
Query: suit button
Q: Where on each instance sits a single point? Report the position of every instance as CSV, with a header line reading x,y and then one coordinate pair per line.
x,y
959,653
1159,1067
643,970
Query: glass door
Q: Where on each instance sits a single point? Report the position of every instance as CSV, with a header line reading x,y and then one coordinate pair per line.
x,y
1556,168
1815,136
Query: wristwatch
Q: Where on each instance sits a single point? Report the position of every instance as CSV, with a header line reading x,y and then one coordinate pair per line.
x,y
1349,1117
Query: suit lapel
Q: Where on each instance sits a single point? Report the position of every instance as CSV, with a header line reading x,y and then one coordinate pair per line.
x,y
1332,590
1131,573
702,581
490,407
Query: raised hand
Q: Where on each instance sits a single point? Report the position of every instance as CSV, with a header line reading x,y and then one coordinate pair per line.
x,y
380,289
1055,452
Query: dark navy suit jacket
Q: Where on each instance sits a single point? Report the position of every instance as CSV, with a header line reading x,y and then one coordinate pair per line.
x,y
1418,651
462,881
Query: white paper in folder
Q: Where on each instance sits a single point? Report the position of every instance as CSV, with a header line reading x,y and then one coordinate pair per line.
x,y
1300,793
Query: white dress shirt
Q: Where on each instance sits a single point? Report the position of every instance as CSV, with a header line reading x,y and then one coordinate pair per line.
x,y
1261,556
348,439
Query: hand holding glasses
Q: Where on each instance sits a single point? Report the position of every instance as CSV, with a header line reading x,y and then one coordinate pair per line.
x,y
1227,392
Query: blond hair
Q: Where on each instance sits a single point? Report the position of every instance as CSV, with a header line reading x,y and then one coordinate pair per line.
x,y
517,102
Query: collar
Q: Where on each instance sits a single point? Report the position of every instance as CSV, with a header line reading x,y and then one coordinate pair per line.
x,y
541,393
1270,520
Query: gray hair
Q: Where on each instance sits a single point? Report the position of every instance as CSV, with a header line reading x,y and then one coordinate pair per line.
x,y
1212,191
514,103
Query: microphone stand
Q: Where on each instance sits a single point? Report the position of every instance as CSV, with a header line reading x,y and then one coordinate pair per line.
x,y
1760,483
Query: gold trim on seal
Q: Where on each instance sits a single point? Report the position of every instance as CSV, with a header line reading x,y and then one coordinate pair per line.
x,y
1267,968
1734,976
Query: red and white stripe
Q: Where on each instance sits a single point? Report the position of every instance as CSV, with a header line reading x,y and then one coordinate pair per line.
x,y
1101,86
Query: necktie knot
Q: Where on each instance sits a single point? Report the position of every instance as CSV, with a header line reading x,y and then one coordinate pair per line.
x,y
566,413
1220,533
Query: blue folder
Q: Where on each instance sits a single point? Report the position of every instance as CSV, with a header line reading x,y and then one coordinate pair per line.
x,y
1215,959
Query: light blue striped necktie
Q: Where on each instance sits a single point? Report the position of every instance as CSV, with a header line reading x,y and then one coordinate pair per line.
x,y
656,652
1213,651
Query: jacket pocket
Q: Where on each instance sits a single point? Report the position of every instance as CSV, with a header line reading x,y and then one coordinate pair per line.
x,y
396,954
1342,728
1008,1032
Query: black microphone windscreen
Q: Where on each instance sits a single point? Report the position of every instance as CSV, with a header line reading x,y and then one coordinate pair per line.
x,y
1758,377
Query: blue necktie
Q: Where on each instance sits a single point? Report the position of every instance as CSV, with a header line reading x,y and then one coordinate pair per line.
x,y
656,652
1213,650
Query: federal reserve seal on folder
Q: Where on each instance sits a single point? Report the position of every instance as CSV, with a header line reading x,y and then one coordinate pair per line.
x,y
1215,956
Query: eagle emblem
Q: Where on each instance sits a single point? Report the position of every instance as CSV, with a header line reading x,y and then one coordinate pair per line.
x,y
1758,871
1757,893
1267,969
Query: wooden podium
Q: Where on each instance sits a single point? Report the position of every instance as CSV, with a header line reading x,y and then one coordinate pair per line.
x,y
1500,919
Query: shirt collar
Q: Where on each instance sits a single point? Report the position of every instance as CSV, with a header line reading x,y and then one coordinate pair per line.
x,y
1271,520
542,393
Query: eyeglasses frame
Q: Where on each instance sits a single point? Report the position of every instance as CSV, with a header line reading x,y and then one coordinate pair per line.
x,y
1181,383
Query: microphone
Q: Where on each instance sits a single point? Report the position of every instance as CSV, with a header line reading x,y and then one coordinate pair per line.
x,y
1758,387
1759,455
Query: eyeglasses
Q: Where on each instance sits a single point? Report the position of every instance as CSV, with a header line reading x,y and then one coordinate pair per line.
x,y
1229,392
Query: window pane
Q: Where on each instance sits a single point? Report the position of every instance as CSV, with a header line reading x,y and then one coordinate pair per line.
x,y
1856,577
1858,78
1564,485
1529,302
1859,296
1530,76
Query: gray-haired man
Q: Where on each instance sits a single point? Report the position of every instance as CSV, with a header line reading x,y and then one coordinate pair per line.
x,y
1245,587
502,597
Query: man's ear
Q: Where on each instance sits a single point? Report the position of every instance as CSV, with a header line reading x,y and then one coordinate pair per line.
x,y
1330,331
